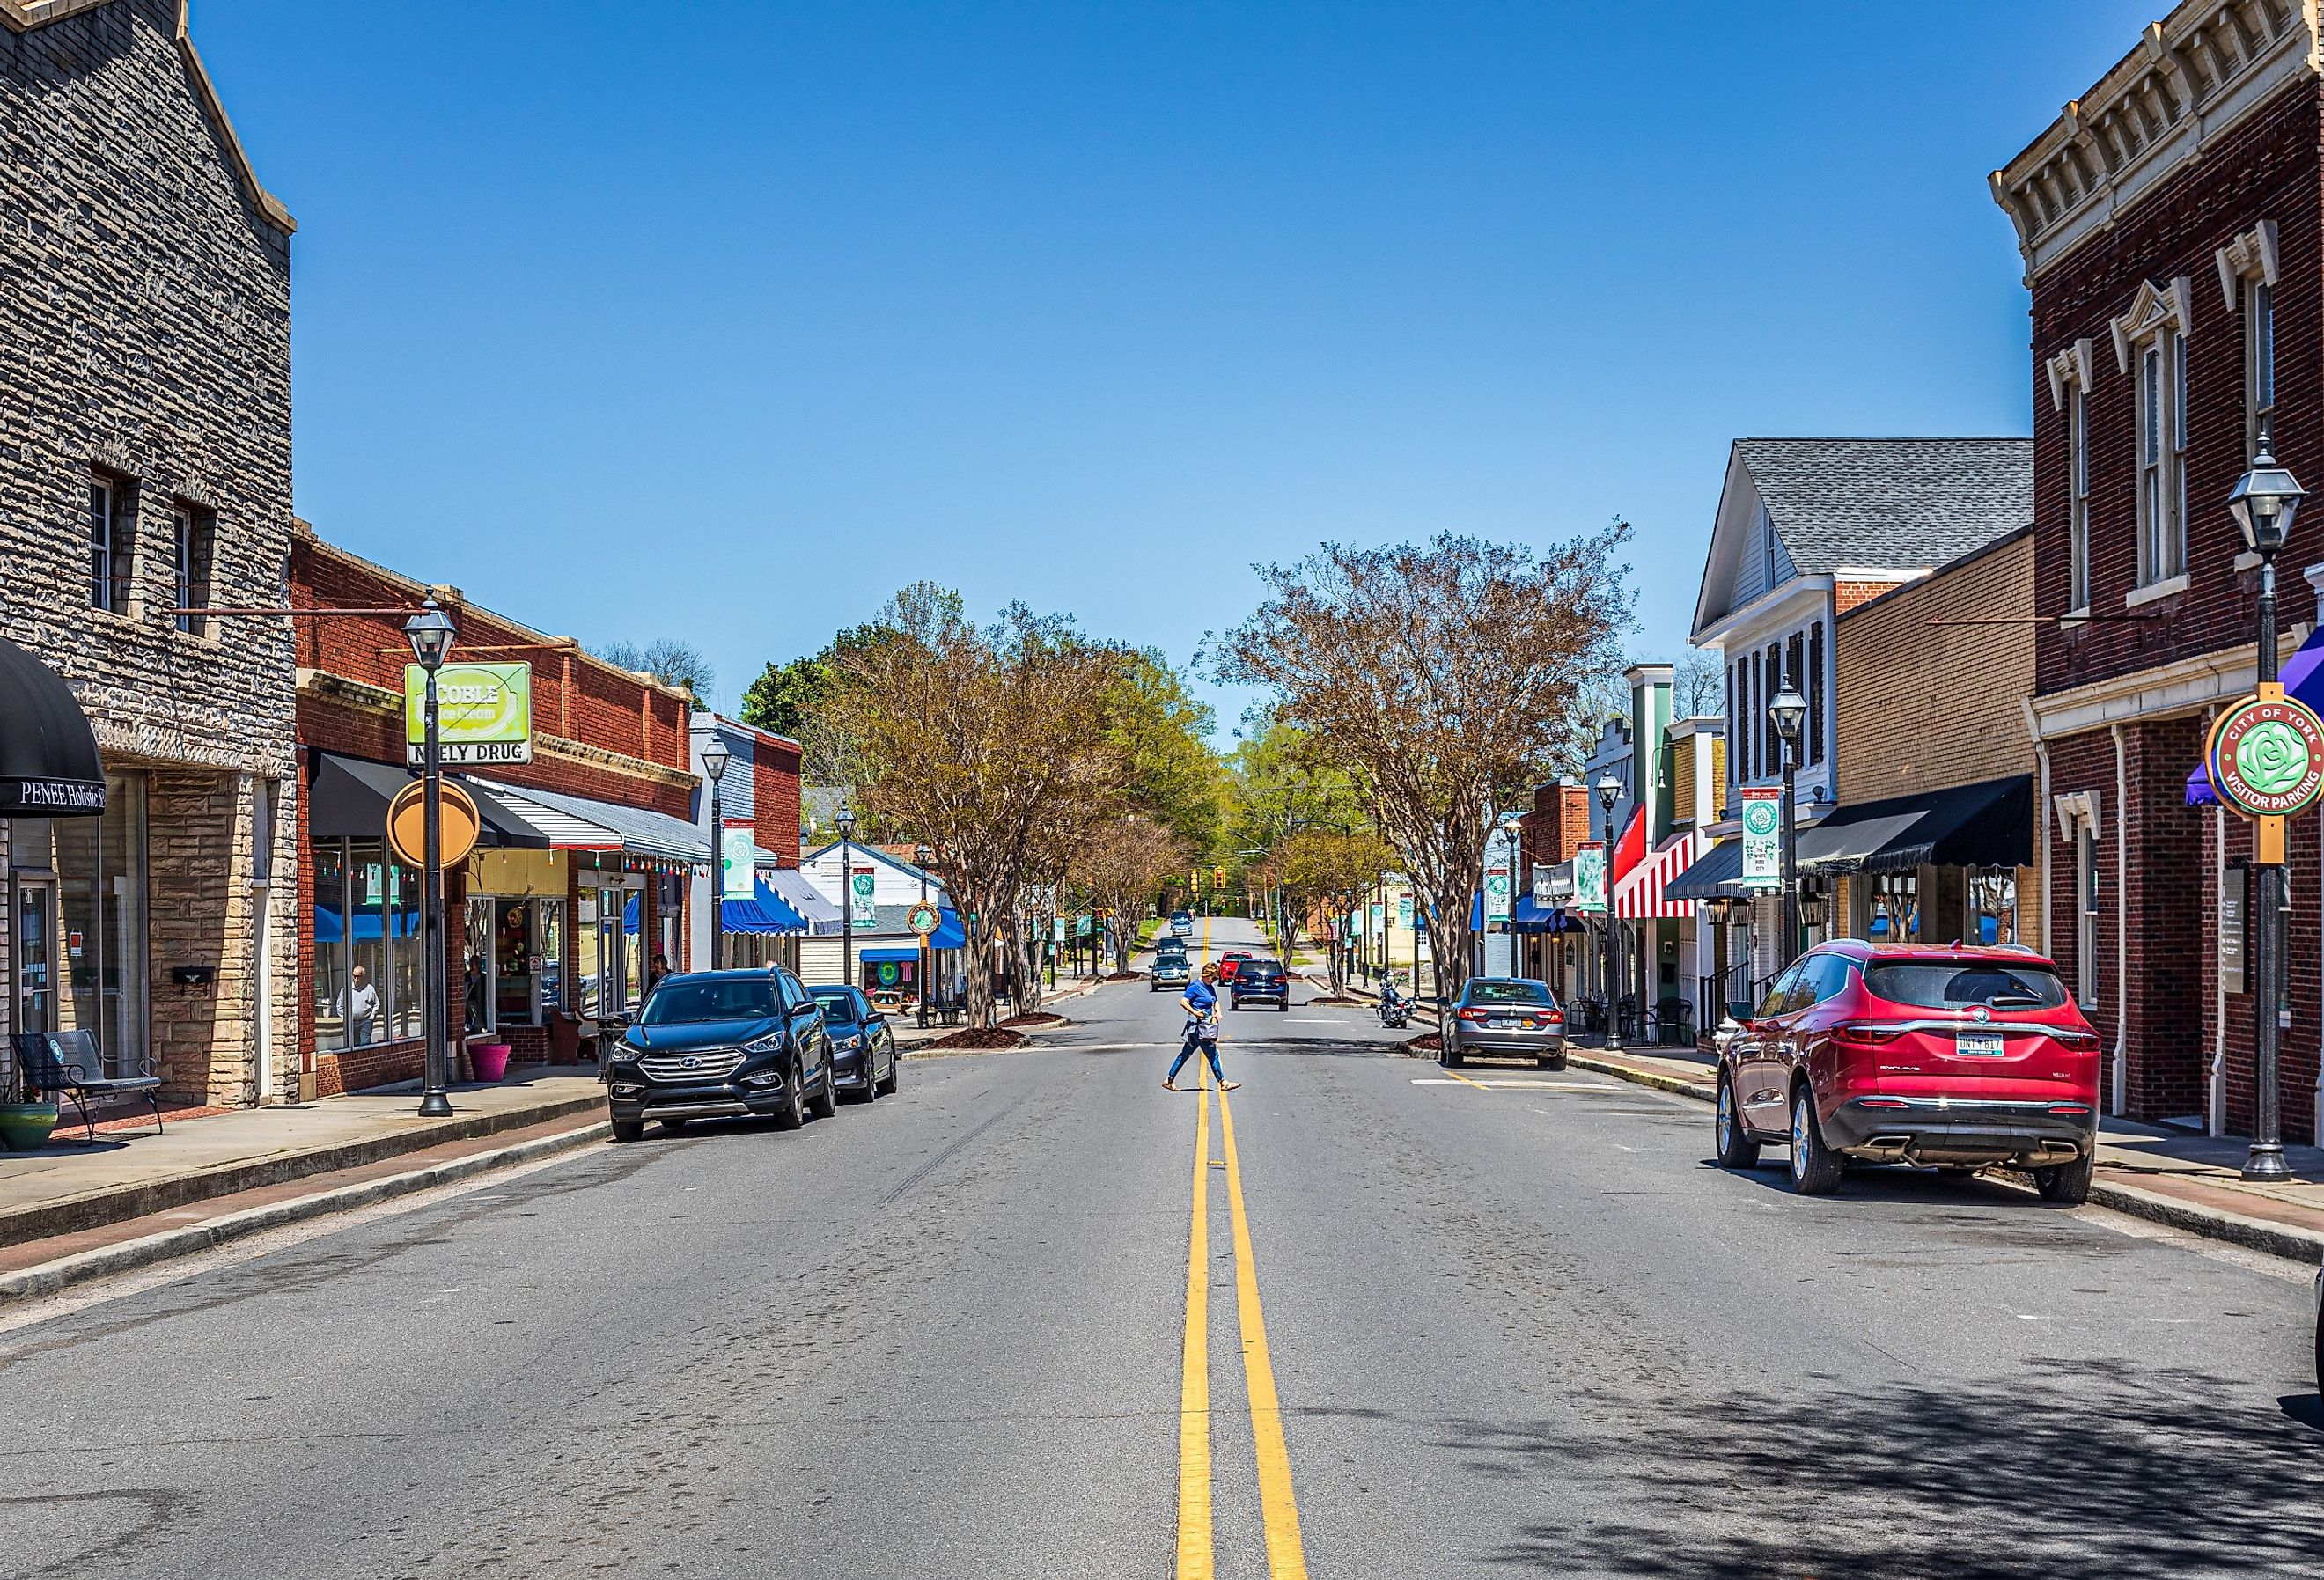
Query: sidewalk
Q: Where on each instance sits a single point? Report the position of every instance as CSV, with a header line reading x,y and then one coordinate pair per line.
x,y
2189,1182
135,1173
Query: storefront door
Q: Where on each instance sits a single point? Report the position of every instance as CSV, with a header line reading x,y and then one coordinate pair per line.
x,y
476,966
36,955
515,965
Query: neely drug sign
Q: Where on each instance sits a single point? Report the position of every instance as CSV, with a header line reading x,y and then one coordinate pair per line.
x,y
483,714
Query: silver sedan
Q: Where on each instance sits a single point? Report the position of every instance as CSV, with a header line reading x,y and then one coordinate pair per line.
x,y
1506,1015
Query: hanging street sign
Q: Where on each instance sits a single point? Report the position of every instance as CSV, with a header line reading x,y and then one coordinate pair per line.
x,y
738,860
860,888
1763,838
923,918
1496,895
483,714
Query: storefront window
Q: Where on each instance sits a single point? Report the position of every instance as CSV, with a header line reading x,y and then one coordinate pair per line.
x,y
329,861
1993,905
406,958
100,865
588,958
552,954
1893,908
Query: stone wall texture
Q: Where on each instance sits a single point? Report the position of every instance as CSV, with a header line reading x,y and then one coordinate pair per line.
x,y
145,313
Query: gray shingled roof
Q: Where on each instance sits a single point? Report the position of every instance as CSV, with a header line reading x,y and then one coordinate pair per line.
x,y
1895,503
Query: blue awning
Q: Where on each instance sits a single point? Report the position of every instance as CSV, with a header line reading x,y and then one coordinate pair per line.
x,y
1530,916
2304,681
876,956
949,933
748,916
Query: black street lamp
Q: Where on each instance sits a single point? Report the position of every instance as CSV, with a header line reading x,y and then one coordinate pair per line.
x,y
1609,791
430,633
716,754
2264,502
921,857
1790,710
847,821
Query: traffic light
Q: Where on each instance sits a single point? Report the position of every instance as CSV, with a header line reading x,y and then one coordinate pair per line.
x,y
1218,877
1195,879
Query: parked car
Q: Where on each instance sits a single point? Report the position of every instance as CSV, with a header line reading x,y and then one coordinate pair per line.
x,y
1956,1057
863,1043
1170,970
1506,1015
1230,962
1182,924
1259,979
714,1043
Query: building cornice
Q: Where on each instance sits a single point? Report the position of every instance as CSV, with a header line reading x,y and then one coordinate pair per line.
x,y
366,698
2196,75
1770,607
2183,686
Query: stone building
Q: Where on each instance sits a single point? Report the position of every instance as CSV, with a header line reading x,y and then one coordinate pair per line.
x,y
145,469
2170,225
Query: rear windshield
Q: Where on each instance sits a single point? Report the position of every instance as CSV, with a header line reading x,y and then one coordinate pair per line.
x,y
1262,967
837,1006
691,1003
1938,984
1508,993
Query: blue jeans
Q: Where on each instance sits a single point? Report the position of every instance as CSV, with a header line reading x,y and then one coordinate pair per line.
x,y
1210,1047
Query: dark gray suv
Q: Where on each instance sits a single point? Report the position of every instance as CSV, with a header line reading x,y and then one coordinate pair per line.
x,y
713,1044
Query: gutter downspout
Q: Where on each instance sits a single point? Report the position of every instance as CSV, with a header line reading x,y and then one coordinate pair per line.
x,y
2041,814
2215,1106
2121,1093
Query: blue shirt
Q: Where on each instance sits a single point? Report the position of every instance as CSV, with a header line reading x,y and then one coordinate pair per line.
x,y
1201,996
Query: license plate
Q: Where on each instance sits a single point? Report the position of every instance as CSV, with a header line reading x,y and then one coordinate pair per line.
x,y
1978,1045
1503,1025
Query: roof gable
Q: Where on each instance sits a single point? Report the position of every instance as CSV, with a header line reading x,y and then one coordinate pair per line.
x,y
1889,504
26,15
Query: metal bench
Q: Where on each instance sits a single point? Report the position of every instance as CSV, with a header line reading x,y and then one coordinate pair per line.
x,y
59,1061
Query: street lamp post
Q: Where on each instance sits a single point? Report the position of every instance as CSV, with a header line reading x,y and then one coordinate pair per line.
x,y
430,635
847,821
2263,501
1788,709
921,857
1609,791
716,754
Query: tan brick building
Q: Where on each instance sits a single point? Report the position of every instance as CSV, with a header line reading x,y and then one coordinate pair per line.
x,y
145,468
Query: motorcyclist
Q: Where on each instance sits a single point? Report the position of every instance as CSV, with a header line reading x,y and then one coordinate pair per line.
x,y
1202,1003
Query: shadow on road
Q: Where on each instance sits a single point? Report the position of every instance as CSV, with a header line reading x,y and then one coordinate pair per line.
x,y
2083,1474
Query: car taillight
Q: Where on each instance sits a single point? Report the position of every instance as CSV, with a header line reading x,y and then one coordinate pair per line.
x,y
1473,1014
1869,1036
1882,1102
2076,1041
1558,1016
2070,1110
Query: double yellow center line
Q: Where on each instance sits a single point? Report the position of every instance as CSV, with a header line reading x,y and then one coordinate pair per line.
x,y
1286,1558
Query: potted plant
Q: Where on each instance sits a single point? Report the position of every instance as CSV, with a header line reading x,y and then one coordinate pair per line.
x,y
25,1121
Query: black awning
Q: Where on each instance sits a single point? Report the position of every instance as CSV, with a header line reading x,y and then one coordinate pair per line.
x,y
49,766
1985,824
349,801
1717,876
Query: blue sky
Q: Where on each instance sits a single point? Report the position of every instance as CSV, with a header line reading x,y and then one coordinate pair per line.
x,y
721,320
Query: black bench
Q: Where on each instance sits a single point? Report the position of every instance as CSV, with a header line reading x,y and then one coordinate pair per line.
x,y
59,1061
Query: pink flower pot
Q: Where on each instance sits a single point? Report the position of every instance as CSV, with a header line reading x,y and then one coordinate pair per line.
x,y
490,1059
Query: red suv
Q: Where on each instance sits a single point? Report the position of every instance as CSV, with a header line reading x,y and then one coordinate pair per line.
x,y
1940,1057
1231,961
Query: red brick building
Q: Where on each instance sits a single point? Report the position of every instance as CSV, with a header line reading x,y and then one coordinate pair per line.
x,y
2169,220
580,877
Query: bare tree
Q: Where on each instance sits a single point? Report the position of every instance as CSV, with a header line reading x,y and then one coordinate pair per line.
x,y
668,659
988,744
1123,865
1699,688
1443,675
1329,866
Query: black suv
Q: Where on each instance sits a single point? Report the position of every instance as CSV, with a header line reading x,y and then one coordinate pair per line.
x,y
1259,980
716,1043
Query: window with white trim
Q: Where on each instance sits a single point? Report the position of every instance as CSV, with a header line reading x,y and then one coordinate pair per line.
x,y
2259,363
111,551
2078,470
2161,451
2086,914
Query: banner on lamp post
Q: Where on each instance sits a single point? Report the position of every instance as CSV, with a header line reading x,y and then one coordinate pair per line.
x,y
738,850
859,889
1763,838
1590,877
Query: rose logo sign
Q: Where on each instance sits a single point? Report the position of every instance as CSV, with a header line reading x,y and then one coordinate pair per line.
x,y
2267,757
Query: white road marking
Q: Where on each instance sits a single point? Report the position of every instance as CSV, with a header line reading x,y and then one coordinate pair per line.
x,y
1608,1090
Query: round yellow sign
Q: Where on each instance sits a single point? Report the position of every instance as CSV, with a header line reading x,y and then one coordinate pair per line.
x,y
458,824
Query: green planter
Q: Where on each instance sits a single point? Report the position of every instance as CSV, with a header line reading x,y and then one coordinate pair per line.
x,y
24,1127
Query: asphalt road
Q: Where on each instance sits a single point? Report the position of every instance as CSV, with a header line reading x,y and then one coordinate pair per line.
x,y
1513,1328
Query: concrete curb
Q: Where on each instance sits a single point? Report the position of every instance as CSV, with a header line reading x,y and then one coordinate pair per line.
x,y
49,1278
2262,1234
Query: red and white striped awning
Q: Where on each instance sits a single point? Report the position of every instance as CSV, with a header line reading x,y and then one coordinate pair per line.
x,y
1638,897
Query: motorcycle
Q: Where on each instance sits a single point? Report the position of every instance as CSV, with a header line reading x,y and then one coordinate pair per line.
x,y
1394,1008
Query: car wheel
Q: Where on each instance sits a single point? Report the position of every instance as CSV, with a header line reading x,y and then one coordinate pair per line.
x,y
1454,1057
1550,1062
2067,1183
628,1130
1283,1005
827,1101
793,1112
871,1092
1816,1169
895,1064
1736,1148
